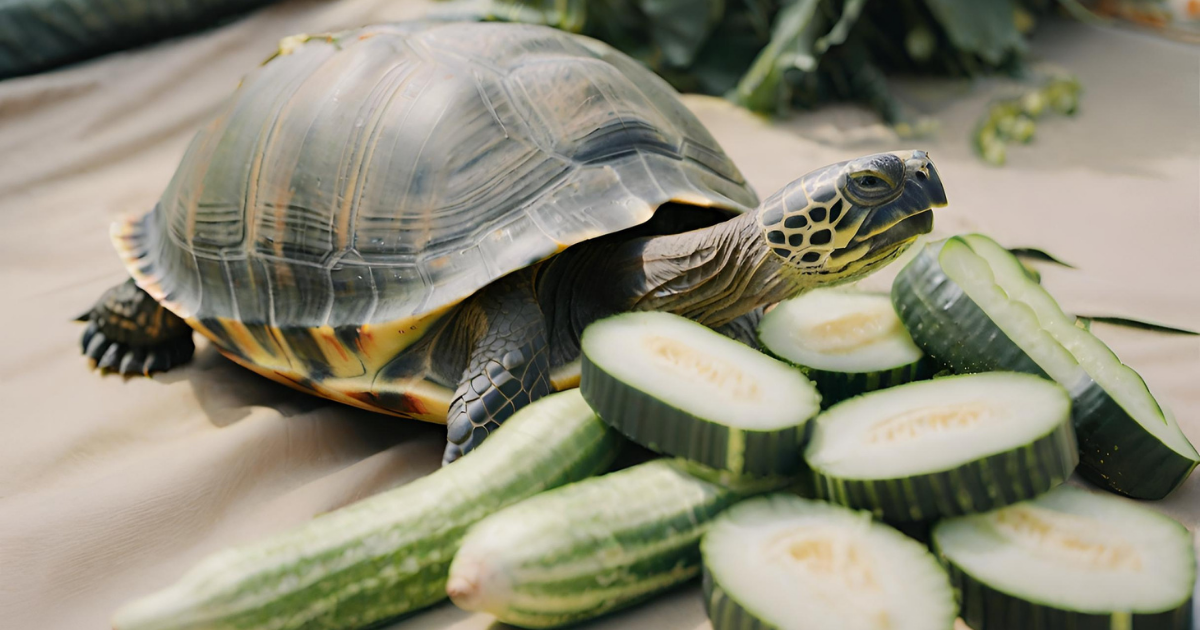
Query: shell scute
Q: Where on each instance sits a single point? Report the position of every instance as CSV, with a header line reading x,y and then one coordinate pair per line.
x,y
388,173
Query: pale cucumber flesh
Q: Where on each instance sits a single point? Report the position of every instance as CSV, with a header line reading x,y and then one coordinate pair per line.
x,y
1073,558
838,331
792,564
936,425
847,342
939,448
389,554
679,388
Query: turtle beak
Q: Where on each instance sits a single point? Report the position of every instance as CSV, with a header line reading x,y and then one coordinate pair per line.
x,y
919,170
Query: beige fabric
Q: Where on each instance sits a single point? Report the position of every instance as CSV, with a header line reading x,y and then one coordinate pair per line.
x,y
111,488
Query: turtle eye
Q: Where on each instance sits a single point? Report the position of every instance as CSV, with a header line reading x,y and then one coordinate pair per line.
x,y
869,188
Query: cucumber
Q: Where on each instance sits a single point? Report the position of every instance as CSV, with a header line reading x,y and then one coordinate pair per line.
x,y
847,343
389,554
784,563
588,548
945,447
968,302
677,387
1070,559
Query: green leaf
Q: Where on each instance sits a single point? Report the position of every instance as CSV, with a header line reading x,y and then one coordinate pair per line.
x,y
1128,322
837,35
987,29
1033,253
680,28
793,38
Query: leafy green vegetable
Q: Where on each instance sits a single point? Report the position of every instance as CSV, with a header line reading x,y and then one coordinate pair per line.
x,y
987,29
773,56
1129,322
1033,253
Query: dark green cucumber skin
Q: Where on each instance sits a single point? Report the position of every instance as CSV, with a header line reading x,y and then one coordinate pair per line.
x,y
838,386
978,486
950,327
663,428
36,35
985,608
724,612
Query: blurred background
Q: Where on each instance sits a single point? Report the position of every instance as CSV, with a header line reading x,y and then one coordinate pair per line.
x,y
1070,126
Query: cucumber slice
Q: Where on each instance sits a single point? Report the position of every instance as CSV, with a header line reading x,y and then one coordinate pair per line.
x,y
389,554
1070,559
588,548
677,387
945,447
786,563
968,302
847,343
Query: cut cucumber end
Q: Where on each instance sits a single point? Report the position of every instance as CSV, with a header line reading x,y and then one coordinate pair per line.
x,y
1070,558
968,303
792,564
848,343
679,388
950,446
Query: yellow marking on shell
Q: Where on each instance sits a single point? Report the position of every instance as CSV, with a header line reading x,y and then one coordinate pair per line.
x,y
692,199
350,391
381,342
566,376
343,362
246,343
122,234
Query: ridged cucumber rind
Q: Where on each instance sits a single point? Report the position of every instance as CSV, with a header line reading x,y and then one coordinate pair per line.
x,y
838,386
387,555
588,548
665,428
987,607
1116,451
724,612
979,485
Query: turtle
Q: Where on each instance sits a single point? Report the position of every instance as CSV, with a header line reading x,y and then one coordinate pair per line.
x,y
419,219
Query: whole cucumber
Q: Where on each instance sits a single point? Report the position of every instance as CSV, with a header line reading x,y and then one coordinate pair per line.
x,y
590,547
387,555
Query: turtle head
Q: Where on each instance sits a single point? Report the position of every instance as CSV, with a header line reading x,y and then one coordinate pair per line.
x,y
840,222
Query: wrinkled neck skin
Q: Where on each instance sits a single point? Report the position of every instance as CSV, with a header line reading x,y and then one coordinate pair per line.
x,y
713,275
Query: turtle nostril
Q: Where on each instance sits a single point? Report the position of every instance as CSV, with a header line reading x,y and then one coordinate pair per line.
x,y
922,174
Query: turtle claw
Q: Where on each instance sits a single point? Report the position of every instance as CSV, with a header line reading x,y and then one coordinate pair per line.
x,y
109,355
452,453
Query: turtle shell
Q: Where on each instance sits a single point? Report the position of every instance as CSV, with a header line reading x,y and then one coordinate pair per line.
x,y
385,174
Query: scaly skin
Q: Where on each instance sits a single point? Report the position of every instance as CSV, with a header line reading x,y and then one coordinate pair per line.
x,y
834,225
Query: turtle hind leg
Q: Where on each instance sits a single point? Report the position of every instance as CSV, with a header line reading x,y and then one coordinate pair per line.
x,y
508,363
129,333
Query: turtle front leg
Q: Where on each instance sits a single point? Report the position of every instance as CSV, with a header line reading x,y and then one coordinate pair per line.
x,y
130,333
508,363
